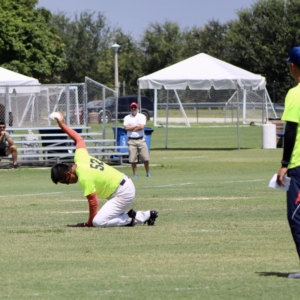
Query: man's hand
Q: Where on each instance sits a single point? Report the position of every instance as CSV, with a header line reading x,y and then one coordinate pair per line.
x,y
2,135
281,173
58,116
82,225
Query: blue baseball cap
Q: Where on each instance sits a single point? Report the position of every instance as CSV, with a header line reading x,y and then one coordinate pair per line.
x,y
294,56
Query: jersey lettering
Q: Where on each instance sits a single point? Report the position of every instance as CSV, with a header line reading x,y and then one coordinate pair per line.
x,y
96,164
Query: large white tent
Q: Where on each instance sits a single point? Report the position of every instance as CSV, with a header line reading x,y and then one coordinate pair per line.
x,y
16,92
202,72
8,77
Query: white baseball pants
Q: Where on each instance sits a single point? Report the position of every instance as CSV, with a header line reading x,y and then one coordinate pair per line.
x,y
114,211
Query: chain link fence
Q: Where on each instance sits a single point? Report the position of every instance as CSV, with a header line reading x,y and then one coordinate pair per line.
x,y
30,106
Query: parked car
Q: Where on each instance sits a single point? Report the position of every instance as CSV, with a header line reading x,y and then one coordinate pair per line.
x,y
124,108
94,106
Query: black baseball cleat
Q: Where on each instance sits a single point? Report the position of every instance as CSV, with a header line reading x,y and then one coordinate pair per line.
x,y
153,216
131,214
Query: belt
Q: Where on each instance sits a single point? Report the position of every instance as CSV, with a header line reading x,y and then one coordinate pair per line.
x,y
122,182
138,138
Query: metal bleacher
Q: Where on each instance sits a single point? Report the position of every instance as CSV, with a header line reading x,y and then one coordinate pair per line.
x,y
51,148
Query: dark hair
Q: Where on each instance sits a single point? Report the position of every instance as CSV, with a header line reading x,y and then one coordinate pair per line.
x,y
58,172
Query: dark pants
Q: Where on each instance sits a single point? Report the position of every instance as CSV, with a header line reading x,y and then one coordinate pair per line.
x,y
293,206
3,152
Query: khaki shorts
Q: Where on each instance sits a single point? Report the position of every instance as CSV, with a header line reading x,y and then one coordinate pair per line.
x,y
138,147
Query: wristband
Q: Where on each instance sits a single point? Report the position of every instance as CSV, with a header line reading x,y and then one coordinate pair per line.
x,y
284,163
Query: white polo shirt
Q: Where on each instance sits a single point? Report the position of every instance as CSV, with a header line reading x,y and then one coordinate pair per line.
x,y
133,121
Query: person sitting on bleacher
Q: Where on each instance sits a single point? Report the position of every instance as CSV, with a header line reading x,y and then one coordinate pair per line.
x,y
7,146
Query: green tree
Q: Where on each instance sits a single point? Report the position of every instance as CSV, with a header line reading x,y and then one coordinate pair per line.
x,y
84,36
28,44
88,39
162,46
130,62
211,39
260,40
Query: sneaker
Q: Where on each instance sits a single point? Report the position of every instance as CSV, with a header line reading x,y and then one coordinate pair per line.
x,y
148,175
294,275
153,216
16,166
131,214
135,176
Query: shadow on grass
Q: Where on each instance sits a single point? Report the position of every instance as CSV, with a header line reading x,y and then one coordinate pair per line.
x,y
277,274
197,149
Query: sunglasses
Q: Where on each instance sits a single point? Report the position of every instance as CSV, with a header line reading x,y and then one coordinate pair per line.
x,y
2,127
133,107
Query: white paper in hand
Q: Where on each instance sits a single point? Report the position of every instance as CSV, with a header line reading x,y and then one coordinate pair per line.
x,y
273,184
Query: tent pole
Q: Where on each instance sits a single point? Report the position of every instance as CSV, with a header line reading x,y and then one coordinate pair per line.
x,y
103,116
139,98
238,119
264,107
6,105
76,104
244,105
270,102
67,91
167,120
155,108
48,104
182,110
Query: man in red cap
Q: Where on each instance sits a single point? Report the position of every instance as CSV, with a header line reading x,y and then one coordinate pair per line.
x,y
134,124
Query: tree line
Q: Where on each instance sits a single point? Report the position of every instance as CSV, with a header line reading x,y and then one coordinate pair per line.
x,y
57,48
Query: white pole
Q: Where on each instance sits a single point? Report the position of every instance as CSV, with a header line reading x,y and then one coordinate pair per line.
x,y
116,48
244,105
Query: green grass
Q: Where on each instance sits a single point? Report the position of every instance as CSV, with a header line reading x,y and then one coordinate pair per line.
x,y
213,136
221,232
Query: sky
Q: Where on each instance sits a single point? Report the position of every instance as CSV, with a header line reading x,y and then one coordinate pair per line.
x,y
134,16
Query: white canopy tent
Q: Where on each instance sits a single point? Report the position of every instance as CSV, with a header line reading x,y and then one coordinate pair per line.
x,y
8,78
12,84
201,72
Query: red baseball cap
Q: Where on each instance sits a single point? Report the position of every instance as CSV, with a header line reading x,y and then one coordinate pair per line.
x,y
134,104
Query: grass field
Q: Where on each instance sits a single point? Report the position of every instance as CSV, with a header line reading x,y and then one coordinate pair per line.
x,y
221,232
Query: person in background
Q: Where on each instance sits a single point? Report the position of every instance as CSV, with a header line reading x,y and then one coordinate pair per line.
x,y
7,146
134,124
98,179
290,163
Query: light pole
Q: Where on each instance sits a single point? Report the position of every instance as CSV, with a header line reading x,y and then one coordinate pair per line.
x,y
116,47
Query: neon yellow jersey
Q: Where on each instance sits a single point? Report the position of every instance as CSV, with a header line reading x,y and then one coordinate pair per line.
x,y
94,176
292,114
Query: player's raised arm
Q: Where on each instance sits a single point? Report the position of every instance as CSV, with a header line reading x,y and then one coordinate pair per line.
x,y
59,117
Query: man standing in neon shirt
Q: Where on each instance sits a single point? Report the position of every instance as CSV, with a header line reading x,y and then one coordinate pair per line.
x,y
290,163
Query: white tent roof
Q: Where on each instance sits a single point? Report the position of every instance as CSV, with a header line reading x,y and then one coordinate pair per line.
x,y
201,72
8,77
17,82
